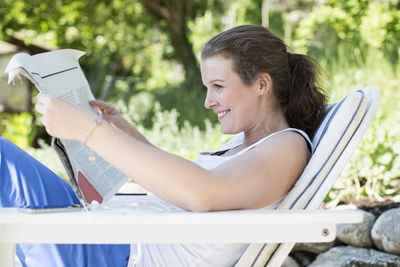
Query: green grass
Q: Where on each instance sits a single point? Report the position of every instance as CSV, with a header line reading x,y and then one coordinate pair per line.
x,y
374,168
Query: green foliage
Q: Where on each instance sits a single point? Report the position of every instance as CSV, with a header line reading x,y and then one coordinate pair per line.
x,y
115,35
358,23
18,129
185,141
374,168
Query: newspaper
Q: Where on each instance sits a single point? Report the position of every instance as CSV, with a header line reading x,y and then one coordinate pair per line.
x,y
58,73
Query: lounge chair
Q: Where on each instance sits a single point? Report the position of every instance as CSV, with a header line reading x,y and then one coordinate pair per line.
x,y
297,219
336,138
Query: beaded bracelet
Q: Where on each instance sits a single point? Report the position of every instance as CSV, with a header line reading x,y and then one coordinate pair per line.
x,y
97,122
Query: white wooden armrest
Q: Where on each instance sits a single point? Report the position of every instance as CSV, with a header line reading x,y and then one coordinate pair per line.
x,y
173,227
118,226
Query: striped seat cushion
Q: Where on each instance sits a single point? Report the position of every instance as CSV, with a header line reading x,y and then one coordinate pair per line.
x,y
330,139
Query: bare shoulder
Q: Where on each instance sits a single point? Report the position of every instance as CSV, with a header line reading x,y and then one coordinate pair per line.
x,y
265,173
289,143
285,148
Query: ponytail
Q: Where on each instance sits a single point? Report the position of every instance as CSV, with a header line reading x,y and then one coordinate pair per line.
x,y
306,102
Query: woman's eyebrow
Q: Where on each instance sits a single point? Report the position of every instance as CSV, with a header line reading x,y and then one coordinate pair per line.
x,y
216,80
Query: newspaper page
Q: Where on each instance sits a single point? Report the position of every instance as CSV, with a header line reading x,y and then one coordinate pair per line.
x,y
59,74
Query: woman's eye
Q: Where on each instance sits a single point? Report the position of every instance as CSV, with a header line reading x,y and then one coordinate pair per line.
x,y
218,86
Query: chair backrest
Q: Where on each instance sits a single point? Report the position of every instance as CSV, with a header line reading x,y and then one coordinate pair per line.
x,y
334,141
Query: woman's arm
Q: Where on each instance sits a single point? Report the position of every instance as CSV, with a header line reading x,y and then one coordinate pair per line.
x,y
252,180
255,179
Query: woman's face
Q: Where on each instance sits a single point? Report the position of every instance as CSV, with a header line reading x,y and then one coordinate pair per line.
x,y
236,104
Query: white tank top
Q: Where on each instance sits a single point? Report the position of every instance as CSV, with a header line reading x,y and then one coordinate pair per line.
x,y
201,255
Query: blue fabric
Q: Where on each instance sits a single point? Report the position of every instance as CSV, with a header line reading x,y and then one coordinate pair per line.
x,y
25,182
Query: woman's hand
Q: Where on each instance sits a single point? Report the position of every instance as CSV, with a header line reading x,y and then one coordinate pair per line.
x,y
62,119
112,116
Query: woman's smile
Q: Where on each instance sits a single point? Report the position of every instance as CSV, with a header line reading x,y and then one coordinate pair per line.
x,y
222,114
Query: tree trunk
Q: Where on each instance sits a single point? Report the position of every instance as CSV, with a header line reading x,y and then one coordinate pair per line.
x,y
175,12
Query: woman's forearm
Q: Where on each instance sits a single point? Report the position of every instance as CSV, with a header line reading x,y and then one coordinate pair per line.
x,y
175,179
132,131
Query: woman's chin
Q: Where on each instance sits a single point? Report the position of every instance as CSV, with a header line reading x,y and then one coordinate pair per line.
x,y
226,130
223,130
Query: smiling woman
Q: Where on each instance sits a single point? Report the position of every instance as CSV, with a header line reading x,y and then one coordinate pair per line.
x,y
258,91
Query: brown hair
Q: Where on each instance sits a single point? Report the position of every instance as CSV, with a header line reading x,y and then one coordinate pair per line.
x,y
254,50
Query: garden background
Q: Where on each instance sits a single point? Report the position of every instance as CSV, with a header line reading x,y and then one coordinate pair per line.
x,y
143,57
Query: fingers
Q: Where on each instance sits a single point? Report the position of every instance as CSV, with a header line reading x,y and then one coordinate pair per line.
x,y
108,119
45,102
42,101
44,98
99,104
41,106
103,107
47,106
112,119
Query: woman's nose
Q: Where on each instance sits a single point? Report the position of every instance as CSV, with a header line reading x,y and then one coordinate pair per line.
x,y
209,102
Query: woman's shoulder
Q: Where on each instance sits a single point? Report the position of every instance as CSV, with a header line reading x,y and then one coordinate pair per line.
x,y
301,136
284,150
287,137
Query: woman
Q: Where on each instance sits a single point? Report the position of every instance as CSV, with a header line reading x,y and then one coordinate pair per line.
x,y
254,86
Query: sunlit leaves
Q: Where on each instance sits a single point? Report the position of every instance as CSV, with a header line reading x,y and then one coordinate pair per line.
x,y
356,22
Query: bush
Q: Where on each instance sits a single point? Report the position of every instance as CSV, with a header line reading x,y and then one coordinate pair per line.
x,y
18,129
374,169
185,141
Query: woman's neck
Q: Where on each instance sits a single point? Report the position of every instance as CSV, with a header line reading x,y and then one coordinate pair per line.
x,y
275,122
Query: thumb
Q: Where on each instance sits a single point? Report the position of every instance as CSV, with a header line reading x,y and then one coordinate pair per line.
x,y
109,118
103,107
97,103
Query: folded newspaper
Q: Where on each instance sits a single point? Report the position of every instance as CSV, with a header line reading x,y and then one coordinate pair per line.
x,y
58,73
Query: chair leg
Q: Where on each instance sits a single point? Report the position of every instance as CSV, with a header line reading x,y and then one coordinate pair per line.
x,y
280,254
7,255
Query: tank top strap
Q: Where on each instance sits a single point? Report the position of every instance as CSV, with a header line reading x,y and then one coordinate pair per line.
x,y
302,133
238,140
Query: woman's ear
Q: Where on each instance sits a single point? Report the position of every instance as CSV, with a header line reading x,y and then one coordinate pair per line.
x,y
264,83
